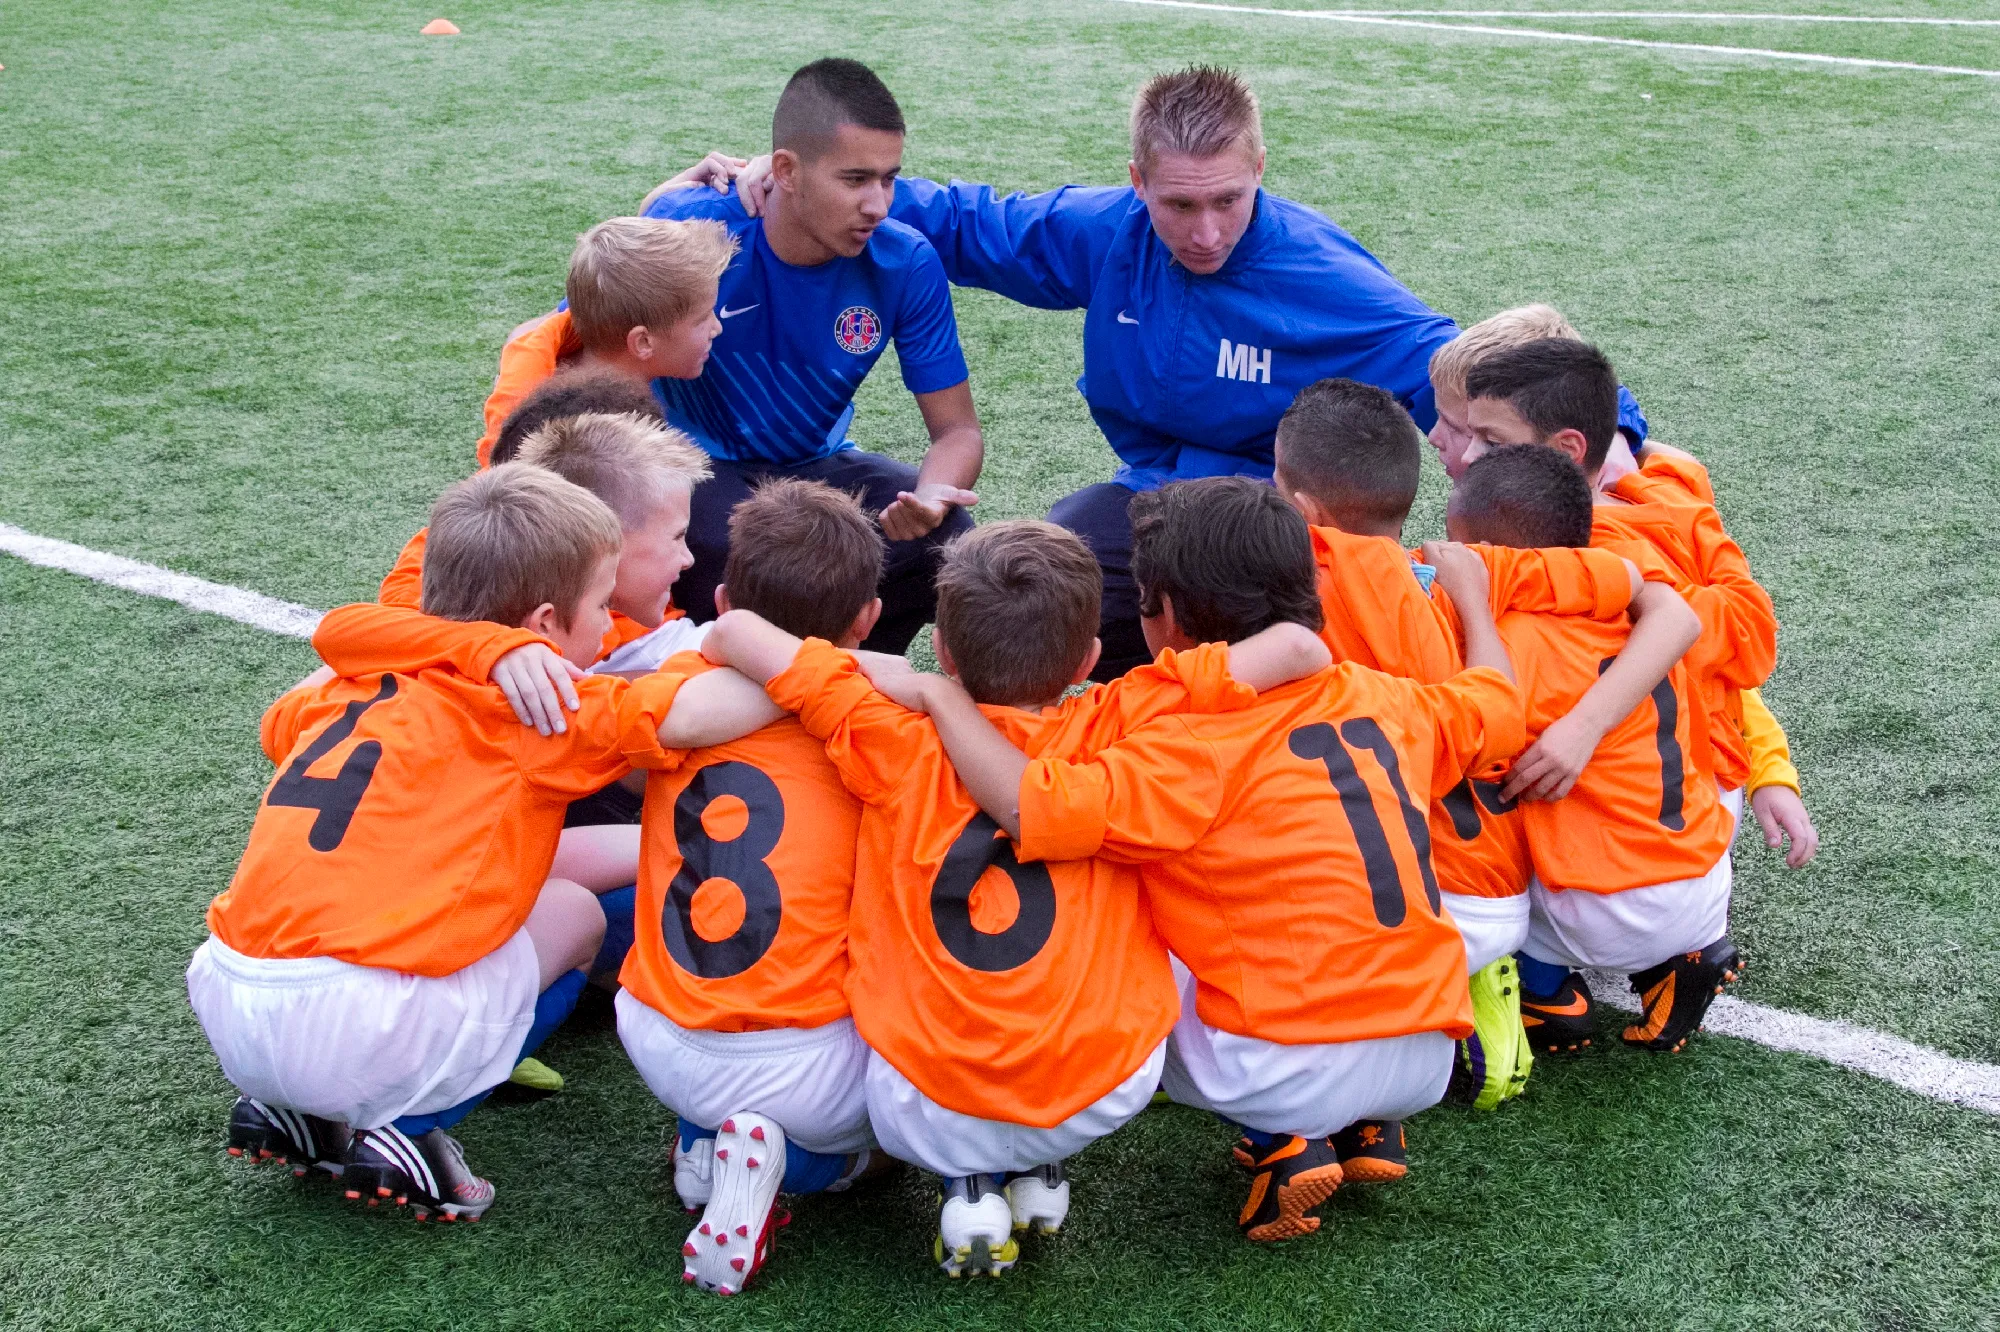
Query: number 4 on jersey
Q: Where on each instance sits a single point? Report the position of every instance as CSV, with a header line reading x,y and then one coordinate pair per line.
x,y
336,797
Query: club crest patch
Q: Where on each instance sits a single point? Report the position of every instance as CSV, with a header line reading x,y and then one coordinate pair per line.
x,y
858,330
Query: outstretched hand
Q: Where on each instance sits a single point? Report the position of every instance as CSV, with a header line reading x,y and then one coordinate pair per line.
x,y
917,513
1782,816
1548,769
539,682
1460,573
754,184
894,678
715,171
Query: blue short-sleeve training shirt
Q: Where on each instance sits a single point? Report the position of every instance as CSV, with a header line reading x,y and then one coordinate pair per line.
x,y
797,342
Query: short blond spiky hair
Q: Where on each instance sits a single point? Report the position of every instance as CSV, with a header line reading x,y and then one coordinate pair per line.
x,y
631,272
630,463
1200,111
506,540
1510,328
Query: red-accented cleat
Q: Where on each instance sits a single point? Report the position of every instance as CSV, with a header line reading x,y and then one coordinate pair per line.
x,y
743,1204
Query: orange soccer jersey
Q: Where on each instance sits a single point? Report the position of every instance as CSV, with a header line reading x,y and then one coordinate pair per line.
x,y
413,819
1379,615
1642,812
1006,990
533,354
404,586
745,874
1664,517
1286,846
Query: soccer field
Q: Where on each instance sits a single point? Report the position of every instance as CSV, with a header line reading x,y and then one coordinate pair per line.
x,y
258,263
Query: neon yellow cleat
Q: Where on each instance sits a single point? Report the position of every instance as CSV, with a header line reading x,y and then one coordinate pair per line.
x,y
1495,1060
536,1076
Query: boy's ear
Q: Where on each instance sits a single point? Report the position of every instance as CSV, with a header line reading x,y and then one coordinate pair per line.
x,y
639,343
542,620
864,623
722,606
1310,509
1089,662
1572,443
945,663
785,168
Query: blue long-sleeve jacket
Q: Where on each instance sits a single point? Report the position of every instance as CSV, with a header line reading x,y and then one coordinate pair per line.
x,y
1187,374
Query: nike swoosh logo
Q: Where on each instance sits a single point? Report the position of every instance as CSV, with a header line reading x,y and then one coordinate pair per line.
x,y
726,313
1123,318
1576,1007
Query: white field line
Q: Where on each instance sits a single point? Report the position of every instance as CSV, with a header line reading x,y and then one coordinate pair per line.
x,y
1538,34
251,608
1877,1054
1653,15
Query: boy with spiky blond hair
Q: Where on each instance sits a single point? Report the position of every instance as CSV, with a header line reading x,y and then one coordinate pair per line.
x,y
394,940
640,301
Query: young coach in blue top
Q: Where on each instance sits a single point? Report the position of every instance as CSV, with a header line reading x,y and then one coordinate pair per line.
x,y
1209,305
822,285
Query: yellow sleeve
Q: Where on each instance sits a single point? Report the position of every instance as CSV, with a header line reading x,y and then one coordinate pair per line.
x,y
1770,752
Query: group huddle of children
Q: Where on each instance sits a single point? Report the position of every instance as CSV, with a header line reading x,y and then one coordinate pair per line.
x,y
1334,856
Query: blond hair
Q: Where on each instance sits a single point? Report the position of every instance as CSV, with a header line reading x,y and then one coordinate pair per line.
x,y
629,462
505,541
631,272
1199,111
1510,328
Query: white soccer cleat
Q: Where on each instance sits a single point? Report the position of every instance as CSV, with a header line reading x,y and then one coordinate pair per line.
x,y
694,1172
975,1228
1039,1198
734,1238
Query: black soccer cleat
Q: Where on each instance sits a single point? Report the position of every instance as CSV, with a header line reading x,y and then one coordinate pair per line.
x,y
1288,1179
426,1173
1372,1151
1677,993
260,1132
1560,1021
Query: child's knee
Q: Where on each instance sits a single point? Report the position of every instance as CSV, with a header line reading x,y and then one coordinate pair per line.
x,y
567,926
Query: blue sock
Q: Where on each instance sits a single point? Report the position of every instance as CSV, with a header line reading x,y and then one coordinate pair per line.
x,y
805,1172
811,1172
618,907
551,1007
1539,977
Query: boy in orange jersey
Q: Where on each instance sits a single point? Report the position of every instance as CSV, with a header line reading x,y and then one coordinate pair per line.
x,y
571,393
1632,865
393,942
1284,847
1348,458
1014,1012
1773,781
732,1006
646,472
1562,394
640,302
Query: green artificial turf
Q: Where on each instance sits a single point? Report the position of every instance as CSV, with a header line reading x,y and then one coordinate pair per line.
x,y
259,260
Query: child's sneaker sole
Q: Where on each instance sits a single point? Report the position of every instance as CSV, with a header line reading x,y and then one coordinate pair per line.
x,y
975,1229
734,1239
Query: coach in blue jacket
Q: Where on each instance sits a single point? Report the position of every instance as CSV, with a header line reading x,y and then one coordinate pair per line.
x,y
1209,304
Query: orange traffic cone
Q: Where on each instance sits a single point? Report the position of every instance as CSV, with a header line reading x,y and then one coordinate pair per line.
x,y
440,28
